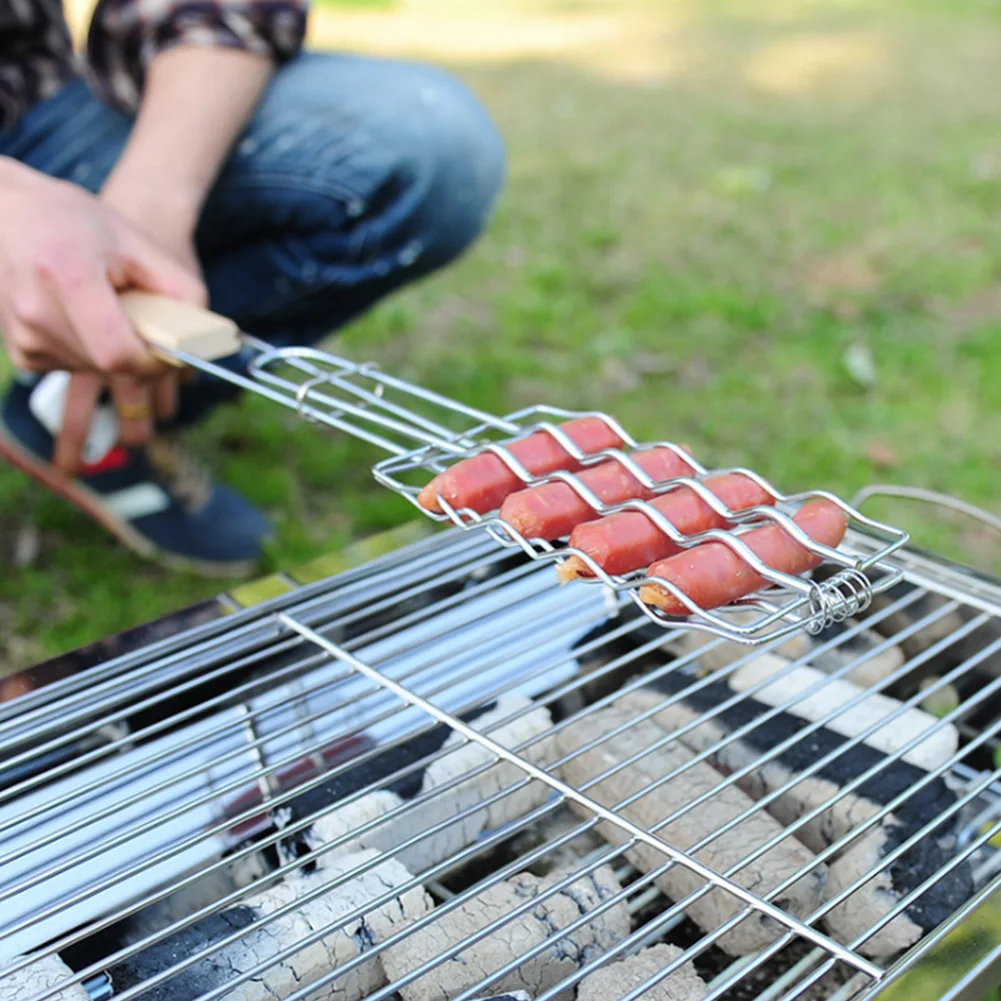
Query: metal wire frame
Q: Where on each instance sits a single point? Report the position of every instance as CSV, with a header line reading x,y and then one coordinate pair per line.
x,y
60,716
352,398
157,819
448,556
453,819
417,973
173,720
152,822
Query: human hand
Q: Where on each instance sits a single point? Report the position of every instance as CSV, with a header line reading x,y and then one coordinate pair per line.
x,y
166,216
63,256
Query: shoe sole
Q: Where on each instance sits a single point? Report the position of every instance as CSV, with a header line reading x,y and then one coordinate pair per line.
x,y
90,503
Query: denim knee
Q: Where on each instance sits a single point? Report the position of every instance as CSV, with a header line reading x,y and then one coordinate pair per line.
x,y
418,152
458,165
356,176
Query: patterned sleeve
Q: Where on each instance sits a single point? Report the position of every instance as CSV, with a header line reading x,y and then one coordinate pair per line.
x,y
126,34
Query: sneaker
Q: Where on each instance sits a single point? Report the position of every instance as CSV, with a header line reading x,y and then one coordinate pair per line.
x,y
155,500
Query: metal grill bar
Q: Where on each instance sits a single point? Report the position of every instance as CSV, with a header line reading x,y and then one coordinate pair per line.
x,y
219,828
570,793
367,609
194,770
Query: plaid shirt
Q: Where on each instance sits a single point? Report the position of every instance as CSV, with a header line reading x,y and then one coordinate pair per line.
x,y
37,57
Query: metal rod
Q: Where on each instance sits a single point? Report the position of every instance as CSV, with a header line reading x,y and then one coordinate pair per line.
x,y
570,793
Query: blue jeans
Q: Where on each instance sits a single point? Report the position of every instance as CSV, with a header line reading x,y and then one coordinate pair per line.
x,y
354,177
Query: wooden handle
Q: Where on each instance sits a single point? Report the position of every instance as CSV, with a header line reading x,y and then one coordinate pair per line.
x,y
178,326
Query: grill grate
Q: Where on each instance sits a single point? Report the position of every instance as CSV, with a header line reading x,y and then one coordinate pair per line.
x,y
426,777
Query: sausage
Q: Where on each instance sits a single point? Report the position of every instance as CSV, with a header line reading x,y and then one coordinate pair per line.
x,y
629,540
337,947
891,881
514,938
616,980
552,510
482,481
450,802
712,574
718,906
45,972
936,749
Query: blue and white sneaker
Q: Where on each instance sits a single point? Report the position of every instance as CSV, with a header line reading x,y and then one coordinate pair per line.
x,y
156,500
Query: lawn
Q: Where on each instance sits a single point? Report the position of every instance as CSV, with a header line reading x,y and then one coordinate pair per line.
x,y
770,229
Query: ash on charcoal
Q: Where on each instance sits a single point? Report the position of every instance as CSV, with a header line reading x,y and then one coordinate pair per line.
x,y
711,963
512,939
717,805
617,979
289,915
381,766
44,972
552,827
917,863
455,797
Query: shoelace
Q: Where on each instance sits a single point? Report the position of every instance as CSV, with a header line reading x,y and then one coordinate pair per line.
x,y
186,479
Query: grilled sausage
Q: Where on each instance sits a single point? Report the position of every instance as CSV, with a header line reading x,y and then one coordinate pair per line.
x,y
513,939
337,947
422,816
482,481
616,980
937,748
629,540
882,893
552,510
713,575
716,907
46,971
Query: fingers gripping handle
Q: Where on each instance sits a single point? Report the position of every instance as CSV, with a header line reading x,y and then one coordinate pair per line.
x,y
169,327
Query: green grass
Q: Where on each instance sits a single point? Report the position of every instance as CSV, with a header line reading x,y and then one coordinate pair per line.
x,y
695,235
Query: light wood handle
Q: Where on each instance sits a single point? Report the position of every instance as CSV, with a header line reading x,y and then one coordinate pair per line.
x,y
178,326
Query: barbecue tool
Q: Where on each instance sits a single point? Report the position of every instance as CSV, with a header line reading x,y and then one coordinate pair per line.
x,y
424,433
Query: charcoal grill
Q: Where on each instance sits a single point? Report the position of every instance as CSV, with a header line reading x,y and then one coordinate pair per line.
x,y
437,775
160,779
